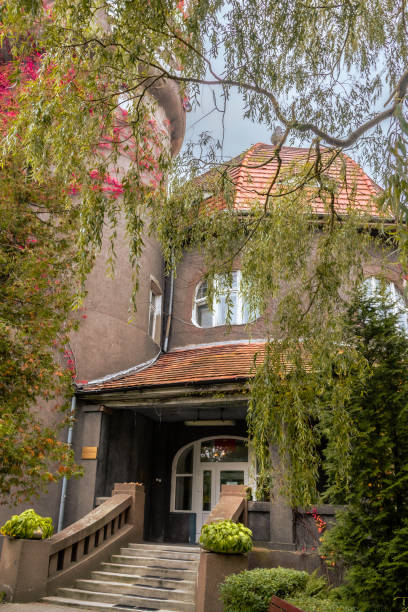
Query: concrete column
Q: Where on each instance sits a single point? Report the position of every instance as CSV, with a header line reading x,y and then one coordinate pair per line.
x,y
136,516
212,570
281,515
81,492
24,569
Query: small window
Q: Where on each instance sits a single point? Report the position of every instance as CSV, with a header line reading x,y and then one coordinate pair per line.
x,y
184,493
229,297
155,310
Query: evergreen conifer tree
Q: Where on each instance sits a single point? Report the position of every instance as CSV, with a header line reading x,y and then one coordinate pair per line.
x,y
371,534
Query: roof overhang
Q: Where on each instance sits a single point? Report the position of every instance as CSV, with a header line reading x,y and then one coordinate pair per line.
x,y
211,392
212,400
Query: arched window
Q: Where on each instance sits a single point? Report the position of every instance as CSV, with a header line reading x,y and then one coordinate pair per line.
x,y
372,284
184,480
203,316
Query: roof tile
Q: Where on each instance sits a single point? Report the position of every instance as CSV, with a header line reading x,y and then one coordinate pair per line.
x,y
258,167
201,364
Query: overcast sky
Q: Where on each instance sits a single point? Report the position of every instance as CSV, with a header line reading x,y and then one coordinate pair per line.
x,y
239,133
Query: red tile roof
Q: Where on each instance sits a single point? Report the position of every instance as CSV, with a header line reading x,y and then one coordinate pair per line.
x,y
253,170
182,366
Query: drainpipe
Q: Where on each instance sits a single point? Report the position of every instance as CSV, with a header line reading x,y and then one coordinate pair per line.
x,y
170,313
64,480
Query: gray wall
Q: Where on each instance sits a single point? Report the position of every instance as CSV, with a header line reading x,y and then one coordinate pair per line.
x,y
183,332
191,270
106,341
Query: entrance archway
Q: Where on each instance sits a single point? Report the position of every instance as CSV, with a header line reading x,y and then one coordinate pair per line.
x,y
201,468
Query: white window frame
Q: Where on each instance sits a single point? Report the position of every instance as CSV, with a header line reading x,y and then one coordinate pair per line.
x,y
155,307
197,468
216,312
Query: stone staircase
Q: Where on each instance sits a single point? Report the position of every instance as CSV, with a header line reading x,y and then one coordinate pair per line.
x,y
143,577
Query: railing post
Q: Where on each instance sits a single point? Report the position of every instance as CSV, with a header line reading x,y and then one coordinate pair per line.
x,y
136,512
281,514
24,569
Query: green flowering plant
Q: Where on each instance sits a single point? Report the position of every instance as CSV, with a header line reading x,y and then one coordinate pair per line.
x,y
226,537
28,525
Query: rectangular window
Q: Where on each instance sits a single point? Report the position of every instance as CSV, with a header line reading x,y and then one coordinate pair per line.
x,y
229,477
207,491
155,309
184,492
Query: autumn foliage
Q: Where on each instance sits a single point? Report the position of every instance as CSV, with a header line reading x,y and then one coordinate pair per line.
x,y
37,285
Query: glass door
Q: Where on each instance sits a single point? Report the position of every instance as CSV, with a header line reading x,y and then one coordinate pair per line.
x,y
199,471
211,479
206,497
231,477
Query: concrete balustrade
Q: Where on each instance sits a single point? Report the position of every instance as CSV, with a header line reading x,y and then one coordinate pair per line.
x,y
31,569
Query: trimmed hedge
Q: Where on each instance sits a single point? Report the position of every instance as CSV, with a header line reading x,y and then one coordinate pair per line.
x,y
313,604
251,591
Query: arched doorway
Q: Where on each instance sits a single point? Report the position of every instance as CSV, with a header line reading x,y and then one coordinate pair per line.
x,y
201,468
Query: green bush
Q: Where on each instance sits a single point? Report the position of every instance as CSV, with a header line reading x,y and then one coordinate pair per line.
x,y
317,586
251,591
314,604
371,534
28,525
226,537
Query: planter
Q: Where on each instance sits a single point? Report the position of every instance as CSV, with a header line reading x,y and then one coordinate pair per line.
x,y
24,569
213,569
225,552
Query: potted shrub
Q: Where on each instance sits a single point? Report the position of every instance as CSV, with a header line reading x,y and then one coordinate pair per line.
x,y
25,555
226,537
29,526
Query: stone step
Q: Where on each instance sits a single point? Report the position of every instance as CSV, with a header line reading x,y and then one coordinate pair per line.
x,y
80,604
167,547
160,553
142,578
121,588
130,566
127,600
130,559
184,585
93,605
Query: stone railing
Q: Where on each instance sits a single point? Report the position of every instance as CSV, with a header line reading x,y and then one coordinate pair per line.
x,y
214,567
232,505
30,569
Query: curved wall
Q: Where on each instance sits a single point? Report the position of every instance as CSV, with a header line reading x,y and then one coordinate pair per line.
x,y
111,337
183,331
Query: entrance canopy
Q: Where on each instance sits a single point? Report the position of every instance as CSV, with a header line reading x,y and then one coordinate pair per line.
x,y
189,384
203,363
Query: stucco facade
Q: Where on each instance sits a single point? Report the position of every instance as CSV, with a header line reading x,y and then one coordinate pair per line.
x,y
140,403
111,337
